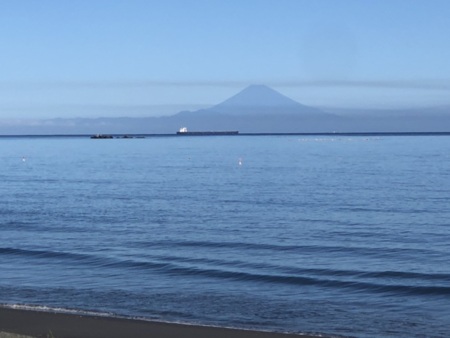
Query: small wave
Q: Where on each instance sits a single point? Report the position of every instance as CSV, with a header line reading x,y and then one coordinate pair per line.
x,y
173,269
43,254
278,248
311,281
333,273
43,308
443,278
405,283
93,260
384,210
16,224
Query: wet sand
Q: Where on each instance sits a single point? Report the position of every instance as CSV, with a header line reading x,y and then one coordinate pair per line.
x,y
61,325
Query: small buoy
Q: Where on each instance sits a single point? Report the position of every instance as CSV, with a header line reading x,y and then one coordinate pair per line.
x,y
24,159
240,161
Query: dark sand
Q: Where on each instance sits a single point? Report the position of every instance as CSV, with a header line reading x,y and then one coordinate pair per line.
x,y
40,324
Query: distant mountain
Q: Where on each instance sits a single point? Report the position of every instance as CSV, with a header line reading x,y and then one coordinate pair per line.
x,y
260,99
257,99
255,109
258,108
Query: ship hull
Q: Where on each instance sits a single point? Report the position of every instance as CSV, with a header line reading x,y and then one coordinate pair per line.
x,y
206,133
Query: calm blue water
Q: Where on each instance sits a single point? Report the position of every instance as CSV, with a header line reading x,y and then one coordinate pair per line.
x,y
345,236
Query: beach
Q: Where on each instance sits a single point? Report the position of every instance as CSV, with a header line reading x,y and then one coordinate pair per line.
x,y
62,325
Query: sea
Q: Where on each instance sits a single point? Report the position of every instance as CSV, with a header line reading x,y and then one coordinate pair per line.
x,y
330,235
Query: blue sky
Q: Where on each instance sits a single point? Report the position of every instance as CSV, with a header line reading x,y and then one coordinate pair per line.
x,y
91,58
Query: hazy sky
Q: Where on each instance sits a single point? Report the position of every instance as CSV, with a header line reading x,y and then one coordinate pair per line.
x,y
90,58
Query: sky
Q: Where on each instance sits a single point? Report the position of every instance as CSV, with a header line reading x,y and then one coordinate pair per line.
x,y
101,58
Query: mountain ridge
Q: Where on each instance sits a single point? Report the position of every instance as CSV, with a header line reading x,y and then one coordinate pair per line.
x,y
258,95
260,100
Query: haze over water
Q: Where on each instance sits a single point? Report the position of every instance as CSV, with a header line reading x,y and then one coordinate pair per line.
x,y
321,234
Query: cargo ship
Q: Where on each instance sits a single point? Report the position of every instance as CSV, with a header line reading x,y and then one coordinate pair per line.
x,y
184,131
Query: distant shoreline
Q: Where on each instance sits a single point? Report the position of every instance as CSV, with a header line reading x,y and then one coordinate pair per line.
x,y
121,136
